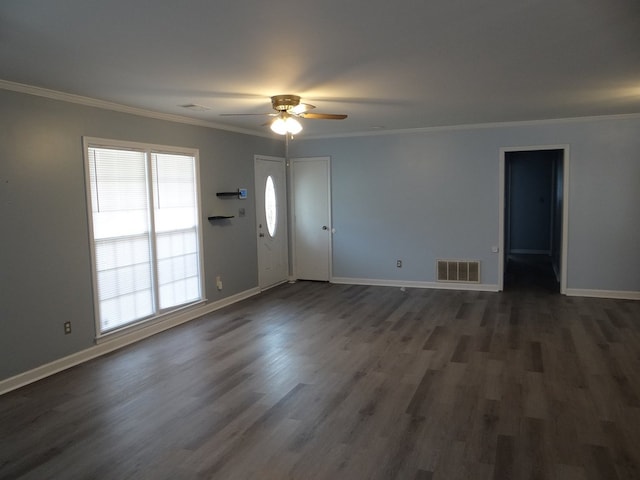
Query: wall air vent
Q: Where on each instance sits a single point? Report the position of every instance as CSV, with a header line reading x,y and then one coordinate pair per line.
x,y
459,271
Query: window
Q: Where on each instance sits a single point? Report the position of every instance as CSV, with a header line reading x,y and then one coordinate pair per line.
x,y
144,216
270,210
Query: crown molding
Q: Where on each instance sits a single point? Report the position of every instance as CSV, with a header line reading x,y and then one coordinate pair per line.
x,y
478,126
117,107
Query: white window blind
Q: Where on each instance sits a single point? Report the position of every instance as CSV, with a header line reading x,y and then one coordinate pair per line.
x,y
145,225
176,220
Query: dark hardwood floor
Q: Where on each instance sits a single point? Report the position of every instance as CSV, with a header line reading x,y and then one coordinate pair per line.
x,y
530,272
320,381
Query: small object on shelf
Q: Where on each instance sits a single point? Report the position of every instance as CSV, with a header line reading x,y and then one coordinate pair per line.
x,y
220,217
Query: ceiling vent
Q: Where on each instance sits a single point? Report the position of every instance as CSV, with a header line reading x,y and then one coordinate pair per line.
x,y
459,271
195,107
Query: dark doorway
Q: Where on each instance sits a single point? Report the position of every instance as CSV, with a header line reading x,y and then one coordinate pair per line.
x,y
533,219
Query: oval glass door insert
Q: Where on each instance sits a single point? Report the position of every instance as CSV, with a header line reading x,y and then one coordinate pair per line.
x,y
270,207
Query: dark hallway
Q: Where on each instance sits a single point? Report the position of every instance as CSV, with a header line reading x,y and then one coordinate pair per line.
x,y
530,272
533,215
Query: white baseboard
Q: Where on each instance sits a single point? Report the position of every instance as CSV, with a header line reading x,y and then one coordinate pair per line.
x,y
481,287
107,345
614,294
571,292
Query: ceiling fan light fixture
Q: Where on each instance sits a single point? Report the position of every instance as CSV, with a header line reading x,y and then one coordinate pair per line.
x,y
293,125
284,125
283,103
279,126
288,110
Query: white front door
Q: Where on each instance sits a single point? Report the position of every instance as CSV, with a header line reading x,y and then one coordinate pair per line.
x,y
271,218
312,218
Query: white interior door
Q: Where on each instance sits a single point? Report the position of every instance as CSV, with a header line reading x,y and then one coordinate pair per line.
x,y
271,218
310,179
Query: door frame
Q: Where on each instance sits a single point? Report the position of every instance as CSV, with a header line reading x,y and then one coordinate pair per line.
x,y
284,220
292,240
565,209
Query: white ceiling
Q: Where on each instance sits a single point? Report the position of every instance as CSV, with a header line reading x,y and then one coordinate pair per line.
x,y
387,64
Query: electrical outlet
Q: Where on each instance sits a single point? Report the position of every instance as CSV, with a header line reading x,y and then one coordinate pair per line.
x,y
399,264
67,328
219,282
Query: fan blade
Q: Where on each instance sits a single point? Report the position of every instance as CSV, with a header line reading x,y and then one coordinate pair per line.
x,y
325,116
300,108
247,114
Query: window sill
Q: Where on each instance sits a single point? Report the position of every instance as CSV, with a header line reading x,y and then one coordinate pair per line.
x,y
153,325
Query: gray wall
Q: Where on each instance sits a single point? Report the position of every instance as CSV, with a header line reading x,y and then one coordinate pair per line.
x,y
45,276
425,195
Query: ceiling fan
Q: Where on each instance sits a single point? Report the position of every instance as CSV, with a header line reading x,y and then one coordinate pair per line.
x,y
287,108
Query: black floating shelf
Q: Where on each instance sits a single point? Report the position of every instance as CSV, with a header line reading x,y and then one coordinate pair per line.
x,y
228,194
220,217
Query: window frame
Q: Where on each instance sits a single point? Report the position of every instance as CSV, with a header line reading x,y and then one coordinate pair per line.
x,y
148,149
